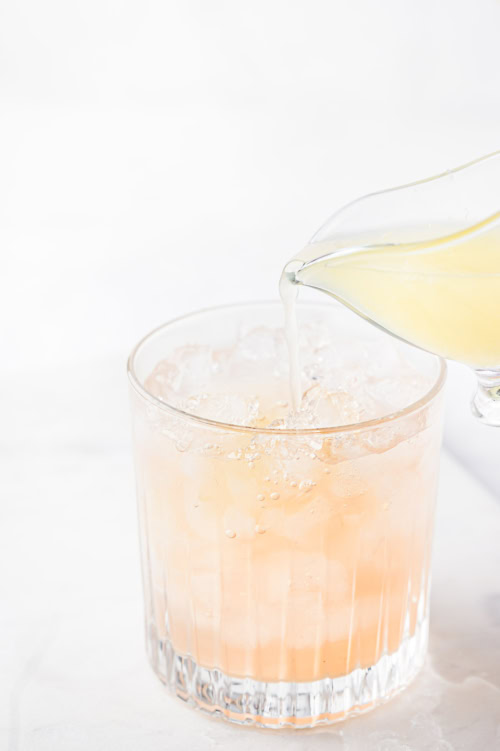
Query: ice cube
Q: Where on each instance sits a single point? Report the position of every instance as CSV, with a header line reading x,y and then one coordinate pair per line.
x,y
196,367
227,408
331,409
348,380
163,380
260,344
316,336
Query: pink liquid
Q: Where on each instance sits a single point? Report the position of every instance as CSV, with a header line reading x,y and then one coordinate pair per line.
x,y
287,558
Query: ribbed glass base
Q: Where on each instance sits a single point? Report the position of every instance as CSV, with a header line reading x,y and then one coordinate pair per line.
x,y
285,704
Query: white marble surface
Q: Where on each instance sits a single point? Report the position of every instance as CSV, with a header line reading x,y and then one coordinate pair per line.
x,y
72,661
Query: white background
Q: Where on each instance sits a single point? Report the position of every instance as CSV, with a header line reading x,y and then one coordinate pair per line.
x,y
156,157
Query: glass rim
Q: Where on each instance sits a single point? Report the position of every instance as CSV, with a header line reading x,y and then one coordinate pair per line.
x,y
427,397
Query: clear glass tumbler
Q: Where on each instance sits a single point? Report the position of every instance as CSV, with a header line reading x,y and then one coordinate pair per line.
x,y
286,572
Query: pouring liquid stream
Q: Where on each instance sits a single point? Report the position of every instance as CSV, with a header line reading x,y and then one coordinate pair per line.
x,y
289,293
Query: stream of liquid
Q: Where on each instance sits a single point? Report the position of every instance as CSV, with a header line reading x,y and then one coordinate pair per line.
x,y
288,293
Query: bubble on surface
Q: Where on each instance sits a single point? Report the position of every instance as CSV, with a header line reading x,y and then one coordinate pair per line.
x,y
306,485
227,408
252,456
211,449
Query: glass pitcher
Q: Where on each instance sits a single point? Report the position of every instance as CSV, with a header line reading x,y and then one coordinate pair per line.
x,y
422,262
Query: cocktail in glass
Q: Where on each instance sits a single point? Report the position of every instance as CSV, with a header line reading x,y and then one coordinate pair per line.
x,y
285,556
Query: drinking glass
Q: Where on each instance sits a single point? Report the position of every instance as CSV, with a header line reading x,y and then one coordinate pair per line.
x,y
286,571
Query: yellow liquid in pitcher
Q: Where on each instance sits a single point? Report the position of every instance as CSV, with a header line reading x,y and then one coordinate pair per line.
x,y
442,295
